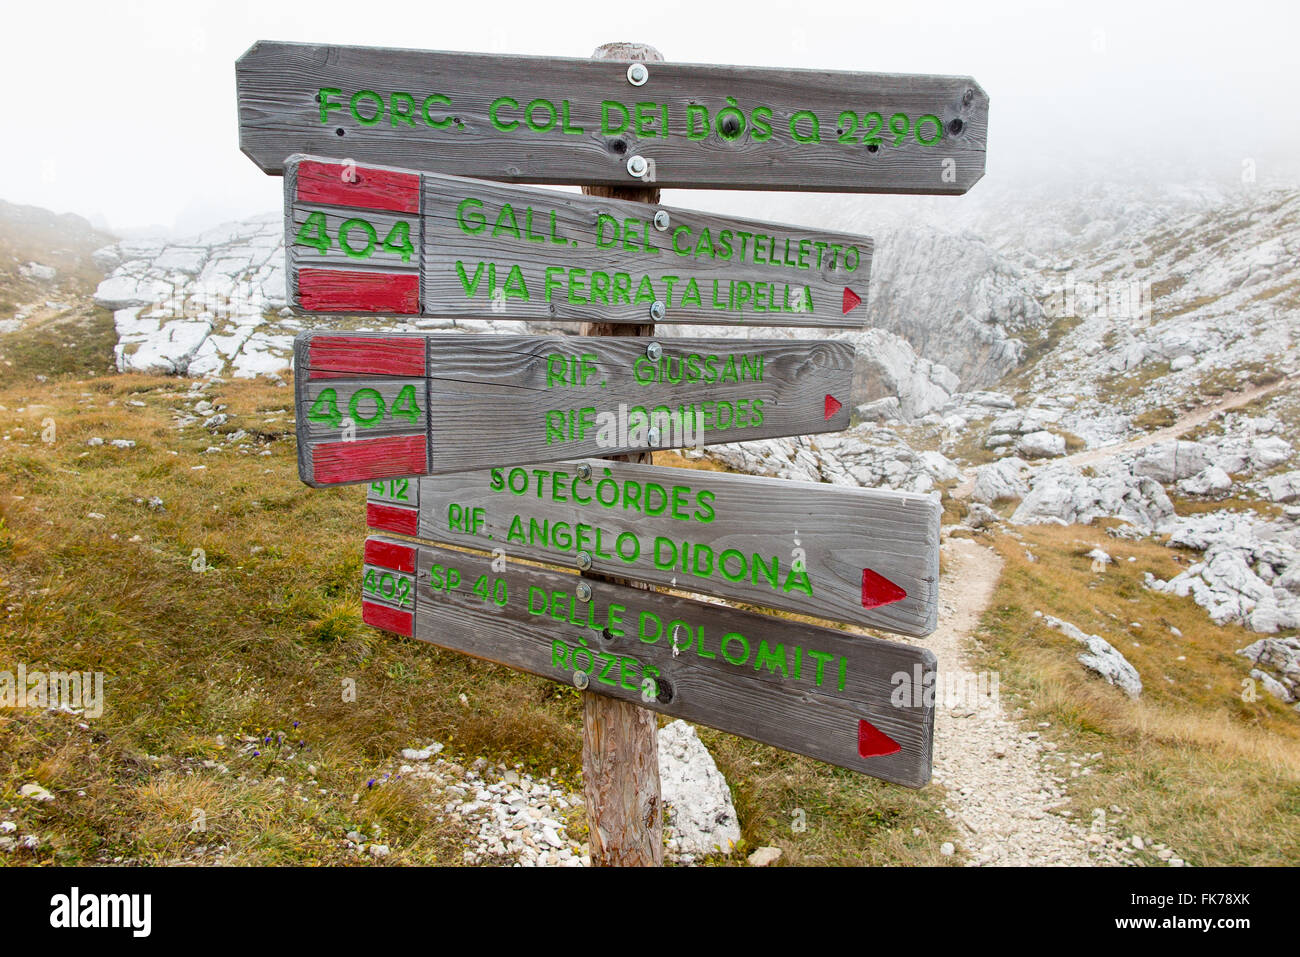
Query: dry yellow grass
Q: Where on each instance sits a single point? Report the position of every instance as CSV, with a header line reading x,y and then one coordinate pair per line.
x,y
1215,776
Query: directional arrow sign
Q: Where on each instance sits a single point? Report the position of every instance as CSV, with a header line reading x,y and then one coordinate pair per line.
x,y
374,239
847,554
381,405
857,702
579,121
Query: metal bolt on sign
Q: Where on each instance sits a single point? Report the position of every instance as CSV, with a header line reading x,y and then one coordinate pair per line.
x,y
652,436
580,679
653,351
584,470
662,220
584,560
583,591
637,166
637,74
657,310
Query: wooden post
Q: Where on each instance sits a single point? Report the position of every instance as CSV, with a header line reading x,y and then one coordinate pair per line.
x,y
620,744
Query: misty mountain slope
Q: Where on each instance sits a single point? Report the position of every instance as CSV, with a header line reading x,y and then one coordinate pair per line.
x,y
1206,303
47,277
214,304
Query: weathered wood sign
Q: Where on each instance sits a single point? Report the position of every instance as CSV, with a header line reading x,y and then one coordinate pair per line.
x,y
376,239
383,405
850,700
579,121
865,556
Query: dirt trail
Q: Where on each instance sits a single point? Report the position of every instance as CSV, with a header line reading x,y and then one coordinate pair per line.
x,y
1191,420
999,792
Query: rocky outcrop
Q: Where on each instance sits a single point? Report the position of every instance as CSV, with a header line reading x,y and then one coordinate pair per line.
x,y
885,367
955,299
1277,666
1067,496
1249,575
1003,480
865,455
205,306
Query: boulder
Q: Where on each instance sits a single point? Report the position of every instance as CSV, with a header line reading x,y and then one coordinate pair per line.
x,y
37,271
701,817
1040,445
1000,481
981,516
1208,481
1283,488
1268,452
1101,657
1173,460
880,410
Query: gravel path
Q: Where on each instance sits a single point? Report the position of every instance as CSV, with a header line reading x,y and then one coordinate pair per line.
x,y
1000,794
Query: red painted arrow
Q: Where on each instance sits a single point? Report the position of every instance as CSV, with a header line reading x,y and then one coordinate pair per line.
x,y
833,405
874,743
851,300
878,590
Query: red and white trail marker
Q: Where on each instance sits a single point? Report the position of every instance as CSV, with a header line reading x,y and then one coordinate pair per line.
x,y
375,406
371,239
864,556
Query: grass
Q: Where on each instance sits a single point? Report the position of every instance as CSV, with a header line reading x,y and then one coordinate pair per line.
x,y
1243,376
1195,766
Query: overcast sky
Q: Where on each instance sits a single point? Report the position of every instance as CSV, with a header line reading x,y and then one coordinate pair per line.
x,y
124,112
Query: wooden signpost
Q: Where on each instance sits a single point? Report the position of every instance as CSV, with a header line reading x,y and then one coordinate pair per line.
x,y
866,556
850,700
395,228
375,239
381,405
610,122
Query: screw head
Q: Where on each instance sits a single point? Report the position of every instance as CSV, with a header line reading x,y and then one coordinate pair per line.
x,y
584,560
653,351
657,310
584,470
583,591
652,436
637,166
662,219
637,74
580,679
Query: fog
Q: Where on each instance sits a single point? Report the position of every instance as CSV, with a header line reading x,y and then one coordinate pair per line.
x,y
125,112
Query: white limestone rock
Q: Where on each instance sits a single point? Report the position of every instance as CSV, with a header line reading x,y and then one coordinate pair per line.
x,y
1002,480
1284,487
1170,461
701,816
1209,481
1041,444
1064,495
1101,657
